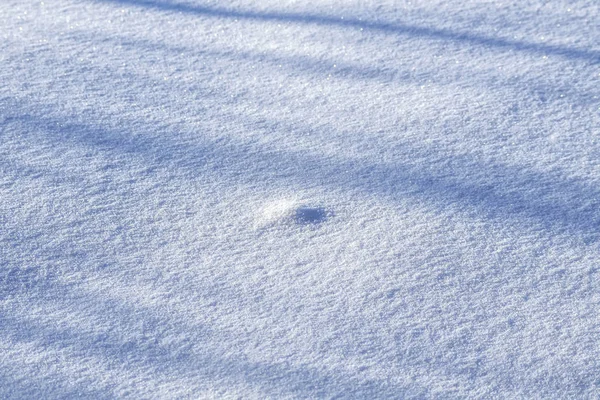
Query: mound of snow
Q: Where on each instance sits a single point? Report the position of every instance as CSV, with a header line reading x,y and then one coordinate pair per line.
x,y
288,211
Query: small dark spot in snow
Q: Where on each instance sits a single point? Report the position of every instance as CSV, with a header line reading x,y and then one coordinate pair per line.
x,y
311,215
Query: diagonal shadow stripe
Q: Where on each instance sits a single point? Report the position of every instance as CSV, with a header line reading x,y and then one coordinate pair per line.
x,y
496,194
589,55
124,345
544,90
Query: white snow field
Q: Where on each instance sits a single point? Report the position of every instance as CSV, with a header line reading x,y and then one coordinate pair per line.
x,y
300,199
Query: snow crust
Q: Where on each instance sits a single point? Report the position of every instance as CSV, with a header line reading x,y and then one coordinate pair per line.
x,y
299,199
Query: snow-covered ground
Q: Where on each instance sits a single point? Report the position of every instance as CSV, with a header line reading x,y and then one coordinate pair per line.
x,y
299,199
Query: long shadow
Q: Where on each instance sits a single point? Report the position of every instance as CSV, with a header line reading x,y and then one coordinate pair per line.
x,y
302,63
159,349
135,340
542,91
395,28
13,386
560,205
503,193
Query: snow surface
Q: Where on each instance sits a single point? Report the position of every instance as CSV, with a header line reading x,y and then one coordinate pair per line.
x,y
299,199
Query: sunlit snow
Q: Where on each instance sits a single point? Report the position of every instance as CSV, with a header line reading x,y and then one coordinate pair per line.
x,y
299,199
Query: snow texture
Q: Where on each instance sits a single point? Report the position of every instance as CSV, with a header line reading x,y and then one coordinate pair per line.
x,y
299,199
